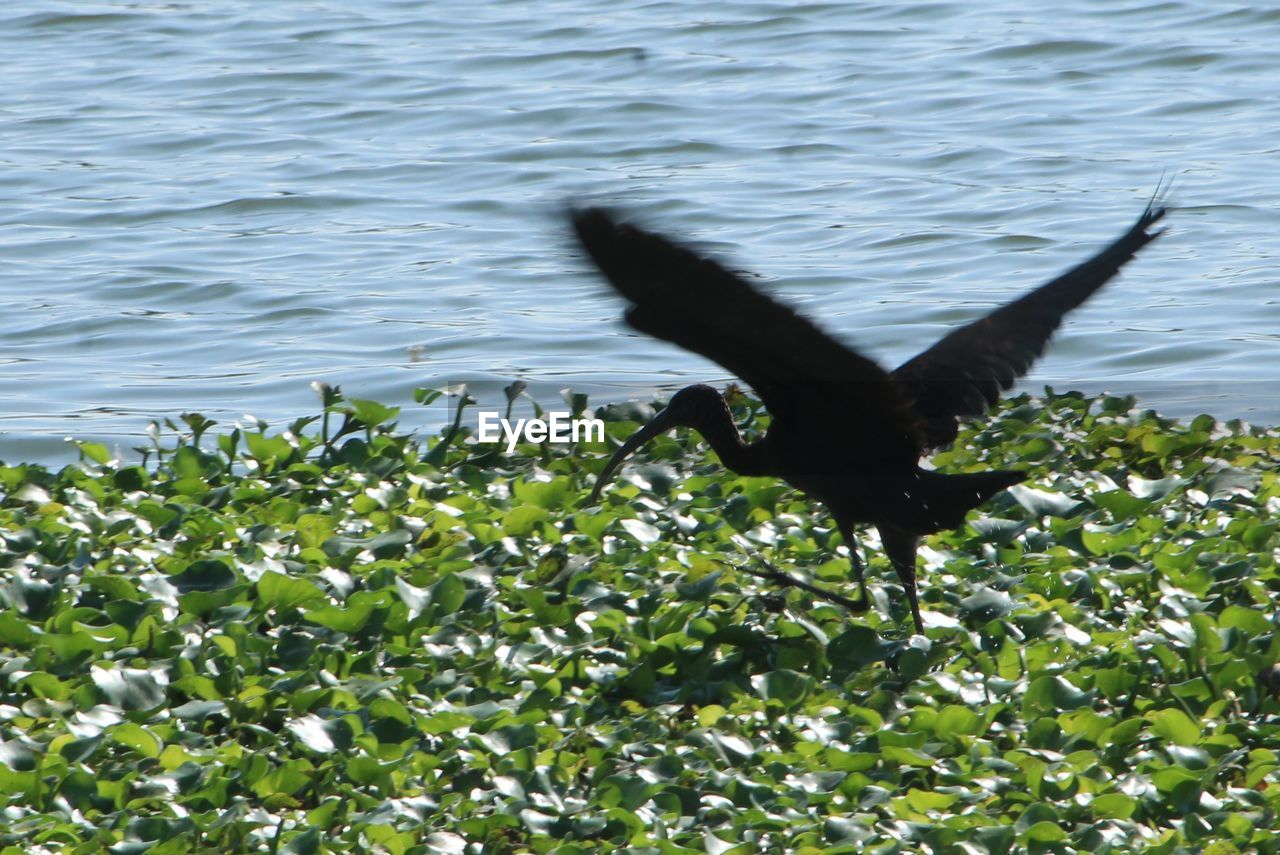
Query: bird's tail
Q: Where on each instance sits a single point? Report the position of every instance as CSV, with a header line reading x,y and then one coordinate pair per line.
x,y
948,498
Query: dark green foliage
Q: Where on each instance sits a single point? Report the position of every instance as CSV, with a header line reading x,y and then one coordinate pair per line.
x,y
339,639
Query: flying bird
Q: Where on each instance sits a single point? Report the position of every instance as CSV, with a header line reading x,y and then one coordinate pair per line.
x,y
843,429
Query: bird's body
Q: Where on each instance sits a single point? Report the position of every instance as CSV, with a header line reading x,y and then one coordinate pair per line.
x,y
843,430
864,489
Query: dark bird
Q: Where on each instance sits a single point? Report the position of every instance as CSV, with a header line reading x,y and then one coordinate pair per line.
x,y
843,430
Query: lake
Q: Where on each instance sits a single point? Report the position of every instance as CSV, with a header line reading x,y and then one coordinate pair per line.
x,y
210,206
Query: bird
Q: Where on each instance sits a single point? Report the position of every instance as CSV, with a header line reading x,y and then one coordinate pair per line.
x,y
843,430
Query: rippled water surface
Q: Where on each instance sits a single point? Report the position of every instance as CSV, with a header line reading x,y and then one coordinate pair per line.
x,y
208,206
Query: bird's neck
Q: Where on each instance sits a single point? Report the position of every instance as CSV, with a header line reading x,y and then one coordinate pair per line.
x,y
741,457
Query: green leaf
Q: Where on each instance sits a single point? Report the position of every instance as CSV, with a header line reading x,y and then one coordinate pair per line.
x,y
129,688
1175,726
204,576
348,620
523,520
925,801
94,451
283,592
448,594
1044,832
1043,503
1113,806
138,738
371,412
548,495
790,688
956,720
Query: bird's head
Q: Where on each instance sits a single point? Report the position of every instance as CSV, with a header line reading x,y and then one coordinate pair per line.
x,y
692,406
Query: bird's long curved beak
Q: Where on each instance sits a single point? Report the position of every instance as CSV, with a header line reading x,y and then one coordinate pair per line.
x,y
658,425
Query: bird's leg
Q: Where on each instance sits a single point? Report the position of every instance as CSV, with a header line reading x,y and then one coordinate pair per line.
x,y
846,531
773,574
900,546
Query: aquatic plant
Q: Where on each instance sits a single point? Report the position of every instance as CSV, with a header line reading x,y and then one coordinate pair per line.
x,y
339,637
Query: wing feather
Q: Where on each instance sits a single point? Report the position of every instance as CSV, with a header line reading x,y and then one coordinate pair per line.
x,y
813,385
964,372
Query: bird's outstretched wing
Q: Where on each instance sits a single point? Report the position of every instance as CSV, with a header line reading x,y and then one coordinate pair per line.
x,y
809,381
965,371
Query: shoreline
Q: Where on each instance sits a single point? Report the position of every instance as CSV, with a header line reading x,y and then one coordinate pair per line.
x,y
1178,400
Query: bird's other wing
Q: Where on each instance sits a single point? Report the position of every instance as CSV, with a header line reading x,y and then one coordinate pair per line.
x,y
964,372
808,380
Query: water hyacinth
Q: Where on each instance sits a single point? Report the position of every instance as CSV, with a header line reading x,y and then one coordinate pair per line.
x,y
341,638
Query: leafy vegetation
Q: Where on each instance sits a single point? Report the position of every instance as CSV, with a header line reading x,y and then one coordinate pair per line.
x,y
339,638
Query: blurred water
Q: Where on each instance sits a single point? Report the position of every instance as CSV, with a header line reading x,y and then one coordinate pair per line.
x,y
206,206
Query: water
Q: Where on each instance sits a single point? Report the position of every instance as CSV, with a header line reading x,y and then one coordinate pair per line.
x,y
208,206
